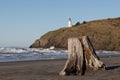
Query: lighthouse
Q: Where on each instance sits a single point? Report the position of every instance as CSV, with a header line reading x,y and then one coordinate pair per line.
x,y
69,22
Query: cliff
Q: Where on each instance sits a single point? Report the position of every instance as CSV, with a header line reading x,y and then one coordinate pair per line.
x,y
104,34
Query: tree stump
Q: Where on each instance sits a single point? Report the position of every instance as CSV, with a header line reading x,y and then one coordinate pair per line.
x,y
81,57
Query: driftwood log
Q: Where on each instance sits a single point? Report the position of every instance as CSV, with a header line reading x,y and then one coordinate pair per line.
x,y
81,57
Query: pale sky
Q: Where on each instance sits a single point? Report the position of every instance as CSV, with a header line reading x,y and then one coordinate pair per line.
x,y
24,21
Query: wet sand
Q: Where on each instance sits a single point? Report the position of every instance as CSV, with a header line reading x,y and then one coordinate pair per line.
x,y
49,70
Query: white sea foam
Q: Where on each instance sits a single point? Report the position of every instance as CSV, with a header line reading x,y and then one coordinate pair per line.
x,y
23,54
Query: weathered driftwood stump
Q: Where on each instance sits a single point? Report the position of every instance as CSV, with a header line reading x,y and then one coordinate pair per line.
x,y
81,57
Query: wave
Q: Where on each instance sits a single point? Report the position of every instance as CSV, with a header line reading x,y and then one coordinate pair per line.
x,y
24,54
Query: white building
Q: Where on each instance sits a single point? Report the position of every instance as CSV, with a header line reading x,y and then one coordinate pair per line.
x,y
69,22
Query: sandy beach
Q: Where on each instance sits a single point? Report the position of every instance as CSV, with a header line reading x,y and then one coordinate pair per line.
x,y
49,70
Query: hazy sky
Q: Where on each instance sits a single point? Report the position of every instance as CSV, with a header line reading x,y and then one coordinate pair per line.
x,y
24,21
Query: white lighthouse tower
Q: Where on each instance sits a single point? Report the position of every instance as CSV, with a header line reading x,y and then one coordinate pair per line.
x,y
69,22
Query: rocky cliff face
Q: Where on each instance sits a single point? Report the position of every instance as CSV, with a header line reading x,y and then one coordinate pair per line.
x,y
104,34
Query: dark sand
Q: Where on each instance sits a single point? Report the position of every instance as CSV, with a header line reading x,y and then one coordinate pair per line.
x,y
49,69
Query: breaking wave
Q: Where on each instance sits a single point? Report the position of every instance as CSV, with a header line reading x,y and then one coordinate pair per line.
x,y
26,54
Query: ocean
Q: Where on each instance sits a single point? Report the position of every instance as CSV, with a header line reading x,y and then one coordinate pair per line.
x,y
28,54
